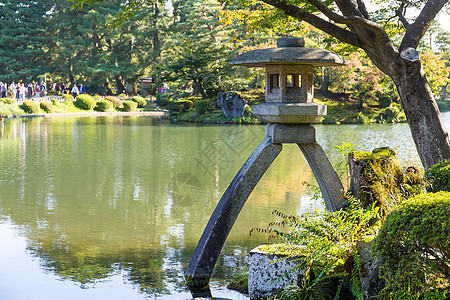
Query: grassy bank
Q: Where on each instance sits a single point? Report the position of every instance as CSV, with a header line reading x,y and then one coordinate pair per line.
x,y
51,106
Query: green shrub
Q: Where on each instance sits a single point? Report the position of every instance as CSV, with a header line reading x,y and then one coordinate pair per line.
x,y
103,105
98,97
54,101
385,101
202,106
181,106
143,93
9,110
413,246
163,99
115,101
7,100
129,105
438,177
86,102
140,101
46,106
31,107
67,97
122,95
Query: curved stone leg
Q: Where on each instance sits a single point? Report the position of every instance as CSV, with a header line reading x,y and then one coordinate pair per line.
x,y
222,220
329,183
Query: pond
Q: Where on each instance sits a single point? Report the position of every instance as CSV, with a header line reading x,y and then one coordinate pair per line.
x,y
112,207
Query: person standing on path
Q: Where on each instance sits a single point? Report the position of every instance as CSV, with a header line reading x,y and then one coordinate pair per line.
x,y
82,88
75,91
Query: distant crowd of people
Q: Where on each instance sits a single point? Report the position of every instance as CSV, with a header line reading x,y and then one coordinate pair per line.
x,y
21,91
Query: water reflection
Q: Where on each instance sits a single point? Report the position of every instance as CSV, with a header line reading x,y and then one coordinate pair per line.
x,y
99,199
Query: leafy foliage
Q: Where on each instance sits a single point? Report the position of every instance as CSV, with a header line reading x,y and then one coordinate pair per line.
x,y
9,110
181,106
47,106
31,107
103,105
85,102
438,177
115,101
202,106
325,241
129,105
414,246
140,101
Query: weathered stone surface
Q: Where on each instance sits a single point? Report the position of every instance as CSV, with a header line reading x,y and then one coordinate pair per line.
x,y
269,273
288,55
294,113
371,283
291,133
328,180
233,106
290,41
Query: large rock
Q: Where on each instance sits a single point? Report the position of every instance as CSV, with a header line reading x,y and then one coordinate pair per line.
x,y
371,283
233,106
269,273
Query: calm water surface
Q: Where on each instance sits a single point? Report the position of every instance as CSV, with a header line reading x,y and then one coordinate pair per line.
x,y
112,207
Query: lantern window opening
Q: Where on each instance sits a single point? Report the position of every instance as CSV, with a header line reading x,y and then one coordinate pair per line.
x,y
274,82
293,80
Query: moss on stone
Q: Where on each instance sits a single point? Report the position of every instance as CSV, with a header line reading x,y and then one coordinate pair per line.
x,y
383,180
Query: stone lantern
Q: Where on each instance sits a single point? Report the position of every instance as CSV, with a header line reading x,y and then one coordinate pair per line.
x,y
289,90
290,111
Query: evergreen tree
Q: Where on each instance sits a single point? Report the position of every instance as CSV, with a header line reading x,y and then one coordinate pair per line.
x,y
23,41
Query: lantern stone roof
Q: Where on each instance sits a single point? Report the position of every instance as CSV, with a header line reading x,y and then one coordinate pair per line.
x,y
290,50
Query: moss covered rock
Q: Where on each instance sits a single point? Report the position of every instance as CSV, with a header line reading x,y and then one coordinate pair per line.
x,y
376,177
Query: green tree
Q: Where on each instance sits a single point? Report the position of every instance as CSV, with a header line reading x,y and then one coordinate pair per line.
x,y
196,58
23,40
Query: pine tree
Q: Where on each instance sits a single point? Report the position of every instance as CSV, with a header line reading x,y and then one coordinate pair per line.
x,y
23,40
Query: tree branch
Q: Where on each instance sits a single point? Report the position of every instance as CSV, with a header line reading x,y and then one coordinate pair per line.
x,y
296,12
401,17
416,30
362,8
341,34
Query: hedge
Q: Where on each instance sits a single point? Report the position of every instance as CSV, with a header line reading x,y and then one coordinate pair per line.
x,y
140,101
46,106
202,106
181,106
414,246
31,107
115,101
438,177
86,102
103,105
129,105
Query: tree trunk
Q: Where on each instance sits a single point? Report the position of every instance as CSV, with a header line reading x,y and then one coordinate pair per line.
x,y
424,119
324,81
444,92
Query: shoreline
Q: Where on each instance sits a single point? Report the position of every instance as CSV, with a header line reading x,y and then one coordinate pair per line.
x,y
92,114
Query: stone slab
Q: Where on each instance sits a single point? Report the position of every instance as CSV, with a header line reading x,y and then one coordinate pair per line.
x,y
291,133
269,273
293,113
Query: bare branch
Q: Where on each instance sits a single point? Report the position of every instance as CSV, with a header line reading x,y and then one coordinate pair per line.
x,y
400,15
362,8
341,34
416,30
